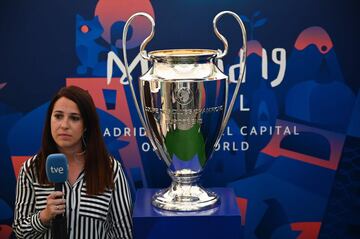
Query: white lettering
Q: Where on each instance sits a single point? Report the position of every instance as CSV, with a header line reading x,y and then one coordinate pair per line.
x,y
244,146
117,132
228,132
234,148
232,69
142,131
242,107
217,147
127,132
295,131
220,65
243,130
226,146
278,57
59,170
106,132
277,128
264,64
263,129
281,61
112,57
145,147
287,131
253,131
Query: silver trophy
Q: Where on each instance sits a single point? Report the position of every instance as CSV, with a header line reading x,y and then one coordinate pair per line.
x,y
184,112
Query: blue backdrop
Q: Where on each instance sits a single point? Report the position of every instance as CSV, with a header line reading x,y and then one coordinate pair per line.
x,y
299,178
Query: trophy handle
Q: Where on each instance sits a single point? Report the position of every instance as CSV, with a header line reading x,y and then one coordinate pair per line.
x,y
221,54
145,56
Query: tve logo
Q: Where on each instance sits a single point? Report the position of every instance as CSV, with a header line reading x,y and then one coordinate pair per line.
x,y
57,168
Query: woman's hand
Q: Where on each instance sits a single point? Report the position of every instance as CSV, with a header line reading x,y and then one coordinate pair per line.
x,y
55,205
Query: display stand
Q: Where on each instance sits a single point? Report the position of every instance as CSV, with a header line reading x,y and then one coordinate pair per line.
x,y
221,222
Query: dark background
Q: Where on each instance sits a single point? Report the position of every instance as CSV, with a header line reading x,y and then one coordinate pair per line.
x,y
38,37
38,50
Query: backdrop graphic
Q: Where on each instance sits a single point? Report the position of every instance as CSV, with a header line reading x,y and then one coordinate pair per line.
x,y
291,148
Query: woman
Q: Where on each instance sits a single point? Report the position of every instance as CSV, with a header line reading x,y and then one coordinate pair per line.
x,y
95,198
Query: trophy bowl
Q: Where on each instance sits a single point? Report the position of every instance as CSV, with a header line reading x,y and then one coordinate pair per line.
x,y
184,112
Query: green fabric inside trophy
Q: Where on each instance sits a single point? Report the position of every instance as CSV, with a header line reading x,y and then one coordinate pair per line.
x,y
185,144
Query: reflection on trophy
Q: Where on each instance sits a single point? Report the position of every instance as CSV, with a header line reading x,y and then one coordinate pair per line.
x,y
184,111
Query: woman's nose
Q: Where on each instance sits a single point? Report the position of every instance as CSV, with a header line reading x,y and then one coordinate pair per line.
x,y
64,123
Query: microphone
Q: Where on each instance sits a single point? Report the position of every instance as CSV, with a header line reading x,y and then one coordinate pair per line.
x,y
57,170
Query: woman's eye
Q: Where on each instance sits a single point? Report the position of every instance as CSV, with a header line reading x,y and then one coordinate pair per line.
x,y
58,116
75,118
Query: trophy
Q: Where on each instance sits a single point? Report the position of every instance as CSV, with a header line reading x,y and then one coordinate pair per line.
x,y
184,112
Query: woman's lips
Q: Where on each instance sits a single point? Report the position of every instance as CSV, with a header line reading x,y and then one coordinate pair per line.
x,y
64,135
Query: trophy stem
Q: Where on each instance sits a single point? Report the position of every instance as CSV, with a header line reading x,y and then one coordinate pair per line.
x,y
185,194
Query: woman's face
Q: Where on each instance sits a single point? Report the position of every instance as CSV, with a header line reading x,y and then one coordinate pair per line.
x,y
67,125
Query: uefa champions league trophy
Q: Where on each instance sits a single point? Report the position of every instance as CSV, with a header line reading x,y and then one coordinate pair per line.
x,y
184,112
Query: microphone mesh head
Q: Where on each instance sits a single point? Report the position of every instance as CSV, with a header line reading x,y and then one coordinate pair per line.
x,y
57,168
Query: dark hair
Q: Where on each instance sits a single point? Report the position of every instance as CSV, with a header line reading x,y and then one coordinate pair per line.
x,y
98,167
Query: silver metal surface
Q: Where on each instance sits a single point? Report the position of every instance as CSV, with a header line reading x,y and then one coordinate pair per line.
x,y
184,112
242,62
223,39
143,53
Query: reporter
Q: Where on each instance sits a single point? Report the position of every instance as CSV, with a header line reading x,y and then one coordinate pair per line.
x,y
97,201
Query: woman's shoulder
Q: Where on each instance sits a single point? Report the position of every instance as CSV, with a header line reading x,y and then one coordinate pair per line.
x,y
29,167
30,161
116,166
115,163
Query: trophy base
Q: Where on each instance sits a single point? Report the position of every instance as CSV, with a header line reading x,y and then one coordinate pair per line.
x,y
185,198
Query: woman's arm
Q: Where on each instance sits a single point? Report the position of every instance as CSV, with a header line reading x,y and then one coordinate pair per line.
x,y
27,223
120,210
